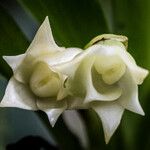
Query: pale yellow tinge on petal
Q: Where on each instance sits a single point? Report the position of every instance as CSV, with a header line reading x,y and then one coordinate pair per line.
x,y
111,68
43,41
86,80
44,82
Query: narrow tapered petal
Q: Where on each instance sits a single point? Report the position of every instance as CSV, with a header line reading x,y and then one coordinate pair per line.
x,y
18,95
110,114
129,98
52,108
43,41
53,114
42,45
138,73
14,61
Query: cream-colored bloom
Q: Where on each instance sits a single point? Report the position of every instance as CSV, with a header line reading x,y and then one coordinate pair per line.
x,y
36,83
103,77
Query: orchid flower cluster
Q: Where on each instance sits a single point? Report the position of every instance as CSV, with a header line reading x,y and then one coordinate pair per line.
x,y
104,77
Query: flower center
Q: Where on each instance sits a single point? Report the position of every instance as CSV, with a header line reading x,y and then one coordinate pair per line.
x,y
111,68
44,82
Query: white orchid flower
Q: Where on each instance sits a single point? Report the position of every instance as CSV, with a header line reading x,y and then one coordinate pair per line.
x,y
103,77
36,83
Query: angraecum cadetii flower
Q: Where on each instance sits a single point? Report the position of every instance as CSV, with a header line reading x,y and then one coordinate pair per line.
x,y
104,77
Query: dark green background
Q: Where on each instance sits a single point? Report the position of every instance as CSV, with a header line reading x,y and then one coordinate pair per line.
x,y
74,23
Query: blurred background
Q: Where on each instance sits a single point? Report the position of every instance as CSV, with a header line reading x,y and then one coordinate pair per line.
x,y
74,23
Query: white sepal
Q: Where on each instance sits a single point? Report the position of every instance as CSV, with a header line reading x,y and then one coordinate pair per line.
x,y
52,108
129,98
138,73
110,114
53,115
43,41
14,61
18,95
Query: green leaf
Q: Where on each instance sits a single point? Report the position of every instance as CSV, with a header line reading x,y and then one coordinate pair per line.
x,y
3,84
12,40
74,22
132,20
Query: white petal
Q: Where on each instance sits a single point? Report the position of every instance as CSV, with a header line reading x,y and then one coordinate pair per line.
x,y
14,61
60,57
18,95
43,40
110,114
23,72
109,94
52,108
129,97
138,73
95,50
42,44
79,70
70,68
53,115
